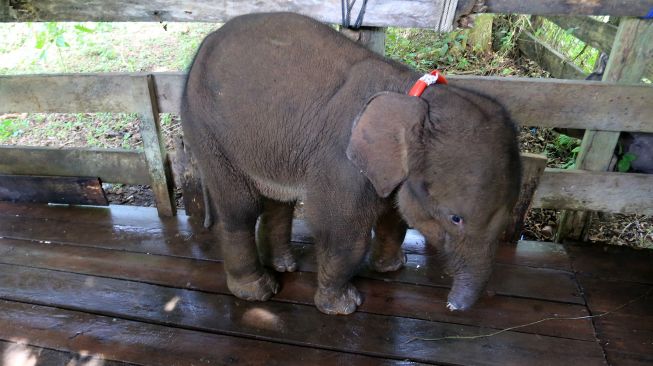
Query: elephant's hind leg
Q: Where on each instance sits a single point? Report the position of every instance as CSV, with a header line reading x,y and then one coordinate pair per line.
x,y
238,208
273,235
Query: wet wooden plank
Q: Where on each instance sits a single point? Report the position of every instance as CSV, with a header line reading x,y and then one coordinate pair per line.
x,y
386,298
63,190
627,332
20,353
152,344
612,262
510,280
528,253
111,166
287,323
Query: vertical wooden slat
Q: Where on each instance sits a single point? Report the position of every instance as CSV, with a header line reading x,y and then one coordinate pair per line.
x,y
631,54
154,149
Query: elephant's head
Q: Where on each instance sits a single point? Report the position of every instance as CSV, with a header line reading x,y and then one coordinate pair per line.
x,y
453,156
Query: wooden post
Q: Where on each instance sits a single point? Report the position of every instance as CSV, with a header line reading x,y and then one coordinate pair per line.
x,y
154,149
371,37
631,52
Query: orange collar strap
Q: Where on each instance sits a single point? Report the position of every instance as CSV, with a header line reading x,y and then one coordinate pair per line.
x,y
435,77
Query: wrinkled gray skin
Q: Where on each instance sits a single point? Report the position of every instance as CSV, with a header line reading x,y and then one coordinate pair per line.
x,y
279,108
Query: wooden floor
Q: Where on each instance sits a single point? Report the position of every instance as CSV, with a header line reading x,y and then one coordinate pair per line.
x,y
98,286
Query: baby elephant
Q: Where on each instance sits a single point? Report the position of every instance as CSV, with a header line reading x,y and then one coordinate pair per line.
x,y
279,108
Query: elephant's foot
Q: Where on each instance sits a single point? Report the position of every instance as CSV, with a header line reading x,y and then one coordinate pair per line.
x,y
343,301
257,289
281,262
388,263
284,262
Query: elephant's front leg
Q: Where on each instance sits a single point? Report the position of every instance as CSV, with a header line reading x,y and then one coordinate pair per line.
x,y
389,233
340,252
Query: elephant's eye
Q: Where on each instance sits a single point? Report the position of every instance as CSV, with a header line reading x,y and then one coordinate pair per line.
x,y
457,220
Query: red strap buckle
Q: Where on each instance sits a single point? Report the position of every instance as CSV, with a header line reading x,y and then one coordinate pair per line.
x,y
428,79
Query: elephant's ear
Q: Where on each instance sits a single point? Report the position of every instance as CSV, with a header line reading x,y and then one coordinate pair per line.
x,y
380,137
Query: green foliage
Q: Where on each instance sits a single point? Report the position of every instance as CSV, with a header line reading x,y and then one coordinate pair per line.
x,y
563,40
564,149
12,127
425,50
623,165
54,34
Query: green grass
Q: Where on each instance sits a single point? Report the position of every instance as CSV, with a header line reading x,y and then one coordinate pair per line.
x,y
564,41
98,47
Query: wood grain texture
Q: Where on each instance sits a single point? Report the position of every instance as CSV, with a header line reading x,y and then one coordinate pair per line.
x,y
20,353
153,146
536,283
612,263
570,7
381,297
155,344
558,65
111,166
381,13
525,253
595,191
626,333
531,102
286,323
398,13
62,190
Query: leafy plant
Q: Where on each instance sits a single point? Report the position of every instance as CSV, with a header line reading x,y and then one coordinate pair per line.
x,y
564,149
54,34
11,128
623,165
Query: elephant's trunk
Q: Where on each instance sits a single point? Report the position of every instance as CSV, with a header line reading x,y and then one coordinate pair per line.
x,y
469,281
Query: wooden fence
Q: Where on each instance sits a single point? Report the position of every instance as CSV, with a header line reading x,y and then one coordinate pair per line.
x,y
532,102
631,50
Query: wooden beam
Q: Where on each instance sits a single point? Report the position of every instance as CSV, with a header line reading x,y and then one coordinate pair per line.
x,y
380,13
591,31
637,8
532,102
69,93
548,58
567,103
434,14
595,191
64,190
111,166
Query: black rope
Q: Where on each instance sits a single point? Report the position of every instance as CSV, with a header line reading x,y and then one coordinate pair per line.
x,y
346,8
